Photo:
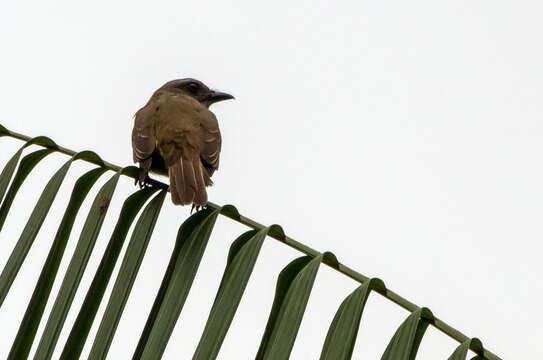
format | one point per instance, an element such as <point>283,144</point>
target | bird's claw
<point>143,180</point>
<point>143,184</point>
<point>197,207</point>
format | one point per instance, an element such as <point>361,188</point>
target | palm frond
<point>293,288</point>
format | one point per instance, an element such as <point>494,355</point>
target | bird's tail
<point>187,182</point>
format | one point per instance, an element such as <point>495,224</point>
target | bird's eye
<point>193,87</point>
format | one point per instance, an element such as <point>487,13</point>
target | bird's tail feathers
<point>187,182</point>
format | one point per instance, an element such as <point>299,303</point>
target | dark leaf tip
<point>426,314</point>
<point>3,131</point>
<point>230,211</point>
<point>476,346</point>
<point>43,141</point>
<point>378,285</point>
<point>276,231</point>
<point>330,259</point>
<point>91,157</point>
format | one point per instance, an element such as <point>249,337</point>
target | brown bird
<point>176,135</point>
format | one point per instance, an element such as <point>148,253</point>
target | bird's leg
<point>197,207</point>
<point>143,179</point>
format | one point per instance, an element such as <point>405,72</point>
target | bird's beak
<point>217,96</point>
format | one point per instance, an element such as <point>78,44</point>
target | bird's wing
<point>211,142</point>
<point>143,134</point>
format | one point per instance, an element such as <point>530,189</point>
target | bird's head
<point>196,89</point>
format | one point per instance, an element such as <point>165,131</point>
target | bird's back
<point>175,133</point>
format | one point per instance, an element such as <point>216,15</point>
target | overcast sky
<point>406,137</point>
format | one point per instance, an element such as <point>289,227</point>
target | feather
<point>187,184</point>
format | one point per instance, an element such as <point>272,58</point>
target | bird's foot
<point>197,207</point>
<point>143,183</point>
<point>143,180</point>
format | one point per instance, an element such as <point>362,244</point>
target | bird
<point>176,135</point>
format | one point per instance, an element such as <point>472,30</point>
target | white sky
<point>406,137</point>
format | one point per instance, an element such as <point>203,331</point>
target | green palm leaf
<point>291,295</point>
<point>341,337</point>
<point>27,164</point>
<point>35,221</point>
<point>191,242</point>
<point>241,260</point>
<point>405,342</point>
<point>461,352</point>
<point>34,311</point>
<point>8,170</point>
<point>294,283</point>
<point>75,270</point>
<point>80,330</point>
<point>126,277</point>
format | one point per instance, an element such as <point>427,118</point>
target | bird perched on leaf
<point>176,135</point>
